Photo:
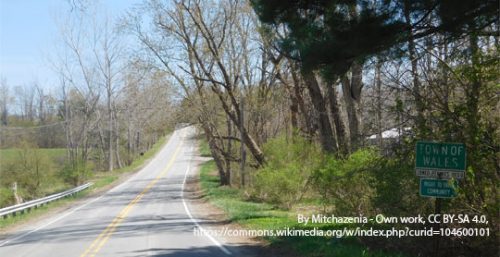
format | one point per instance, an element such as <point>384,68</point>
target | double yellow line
<point>99,242</point>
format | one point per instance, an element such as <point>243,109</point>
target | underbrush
<point>261,215</point>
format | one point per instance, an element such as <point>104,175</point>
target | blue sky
<point>28,32</point>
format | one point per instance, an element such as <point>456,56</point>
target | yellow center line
<point>103,237</point>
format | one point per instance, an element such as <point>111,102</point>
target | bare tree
<point>108,54</point>
<point>203,36</point>
<point>80,91</point>
<point>4,102</point>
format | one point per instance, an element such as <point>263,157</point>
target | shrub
<point>76,173</point>
<point>286,176</point>
<point>6,197</point>
<point>396,187</point>
<point>344,184</point>
<point>29,168</point>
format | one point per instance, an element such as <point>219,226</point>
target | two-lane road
<point>144,216</point>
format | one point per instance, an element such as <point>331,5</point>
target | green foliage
<point>254,215</point>
<point>76,173</point>
<point>204,148</point>
<point>286,176</point>
<point>33,169</point>
<point>54,181</point>
<point>296,167</point>
<point>466,111</point>
<point>6,197</point>
<point>345,183</point>
<point>233,202</point>
<point>329,247</point>
<point>30,168</point>
<point>331,35</point>
<point>396,188</point>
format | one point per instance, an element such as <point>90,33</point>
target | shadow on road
<point>209,251</point>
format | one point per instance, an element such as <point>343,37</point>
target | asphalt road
<point>146,215</point>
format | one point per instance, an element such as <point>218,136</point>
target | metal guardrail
<point>4,212</point>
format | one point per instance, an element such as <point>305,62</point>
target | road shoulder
<point>213,218</point>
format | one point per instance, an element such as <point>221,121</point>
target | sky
<point>28,33</point>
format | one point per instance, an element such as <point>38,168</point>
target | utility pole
<point>242,141</point>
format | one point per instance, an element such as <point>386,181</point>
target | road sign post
<point>435,163</point>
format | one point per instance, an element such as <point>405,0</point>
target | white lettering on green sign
<point>440,156</point>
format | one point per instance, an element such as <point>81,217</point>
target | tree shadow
<point>241,250</point>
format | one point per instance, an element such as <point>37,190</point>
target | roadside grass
<point>104,178</point>
<point>204,148</point>
<point>37,212</point>
<point>100,180</point>
<point>256,215</point>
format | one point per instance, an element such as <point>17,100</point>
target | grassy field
<point>12,153</point>
<point>253,215</point>
<point>100,180</point>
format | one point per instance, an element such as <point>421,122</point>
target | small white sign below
<point>442,174</point>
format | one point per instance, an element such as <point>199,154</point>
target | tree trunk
<point>248,140</point>
<point>473,117</point>
<point>117,146</point>
<point>420,119</point>
<point>218,159</point>
<point>378,86</point>
<point>352,96</point>
<point>129,141</point>
<point>325,129</point>
<point>229,149</point>
<point>294,109</point>
<point>337,119</point>
<point>300,100</point>
<point>110,139</point>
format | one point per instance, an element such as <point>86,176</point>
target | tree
<point>331,35</point>
<point>92,63</point>
<point>4,102</point>
<point>211,47</point>
<point>108,53</point>
<point>337,36</point>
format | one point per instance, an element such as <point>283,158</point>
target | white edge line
<point>224,249</point>
<point>50,222</point>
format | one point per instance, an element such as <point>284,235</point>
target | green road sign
<point>446,160</point>
<point>439,188</point>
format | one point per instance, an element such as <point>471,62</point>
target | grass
<point>100,180</point>
<point>33,213</point>
<point>104,178</point>
<point>255,215</point>
<point>204,149</point>
<point>52,153</point>
<point>50,160</point>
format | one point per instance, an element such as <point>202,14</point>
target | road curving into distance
<point>146,215</point>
